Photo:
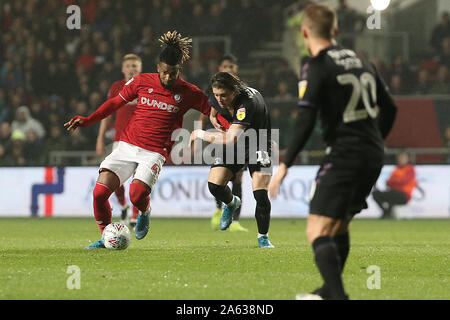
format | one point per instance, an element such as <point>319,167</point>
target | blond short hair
<point>320,20</point>
<point>131,56</point>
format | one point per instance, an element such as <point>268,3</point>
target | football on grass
<point>116,236</point>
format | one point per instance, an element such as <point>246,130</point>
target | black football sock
<point>237,191</point>
<point>328,262</point>
<point>222,193</point>
<point>218,204</point>
<point>262,211</point>
<point>342,242</point>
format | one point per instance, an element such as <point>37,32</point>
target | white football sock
<point>263,235</point>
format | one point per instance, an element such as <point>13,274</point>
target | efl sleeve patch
<point>302,88</point>
<point>240,114</point>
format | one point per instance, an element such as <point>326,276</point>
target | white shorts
<point>127,159</point>
<point>115,145</point>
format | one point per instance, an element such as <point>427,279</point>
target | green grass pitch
<point>184,259</point>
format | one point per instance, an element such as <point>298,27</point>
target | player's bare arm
<point>221,138</point>
<point>212,117</point>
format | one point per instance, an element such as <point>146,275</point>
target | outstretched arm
<point>106,109</point>
<point>224,138</point>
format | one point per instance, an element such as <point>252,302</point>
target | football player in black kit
<point>246,116</point>
<point>356,113</point>
<point>228,63</point>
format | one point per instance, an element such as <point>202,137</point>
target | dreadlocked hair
<point>175,48</point>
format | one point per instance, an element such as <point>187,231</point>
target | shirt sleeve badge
<point>302,88</point>
<point>240,114</point>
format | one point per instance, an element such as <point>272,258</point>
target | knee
<point>214,188</point>
<point>310,235</point>
<point>138,193</point>
<point>313,233</point>
<point>101,192</point>
<point>320,227</point>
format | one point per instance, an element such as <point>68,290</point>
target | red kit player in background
<point>163,99</point>
<point>131,67</point>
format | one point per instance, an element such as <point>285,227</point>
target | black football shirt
<point>348,93</point>
<point>352,102</point>
<point>251,111</point>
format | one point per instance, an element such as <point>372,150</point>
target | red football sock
<point>135,212</point>
<point>120,194</point>
<point>102,209</point>
<point>139,196</point>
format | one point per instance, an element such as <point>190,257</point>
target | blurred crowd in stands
<point>49,73</point>
<point>432,75</point>
<point>429,76</point>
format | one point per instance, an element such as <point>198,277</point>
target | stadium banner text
<point>182,191</point>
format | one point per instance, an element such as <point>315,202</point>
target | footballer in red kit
<point>146,142</point>
<point>159,111</point>
<point>131,66</point>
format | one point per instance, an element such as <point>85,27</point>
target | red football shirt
<point>123,115</point>
<point>159,111</point>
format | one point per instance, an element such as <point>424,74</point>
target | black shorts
<point>236,168</point>
<point>343,183</point>
<point>253,163</point>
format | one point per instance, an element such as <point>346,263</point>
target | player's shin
<point>135,212</point>
<point>329,265</point>
<point>342,242</point>
<point>237,191</point>
<point>140,196</point>
<point>218,204</point>
<point>262,211</point>
<point>102,209</point>
<point>222,193</point>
